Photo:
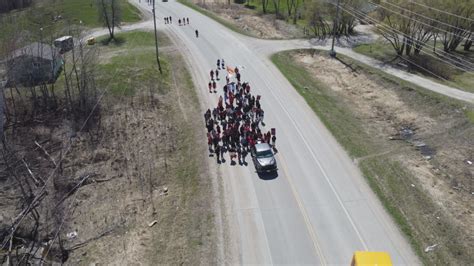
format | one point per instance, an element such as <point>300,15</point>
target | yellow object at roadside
<point>370,258</point>
<point>91,41</point>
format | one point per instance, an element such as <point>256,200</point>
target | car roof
<point>262,147</point>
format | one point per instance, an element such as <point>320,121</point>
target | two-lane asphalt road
<point>319,209</point>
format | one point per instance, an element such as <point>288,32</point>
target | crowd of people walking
<point>236,123</point>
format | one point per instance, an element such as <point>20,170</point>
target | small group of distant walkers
<point>181,22</point>
<point>168,20</point>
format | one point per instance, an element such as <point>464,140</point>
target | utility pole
<point>332,53</point>
<point>156,39</point>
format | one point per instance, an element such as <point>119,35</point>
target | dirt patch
<point>253,23</point>
<point>145,198</point>
<point>430,138</point>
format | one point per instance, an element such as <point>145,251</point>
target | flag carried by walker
<point>230,71</point>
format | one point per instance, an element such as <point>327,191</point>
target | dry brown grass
<point>144,144</point>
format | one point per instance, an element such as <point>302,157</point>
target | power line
<point>391,30</point>
<point>442,11</point>
<point>394,31</point>
<point>421,22</point>
<point>423,16</point>
<point>410,61</point>
<point>447,56</point>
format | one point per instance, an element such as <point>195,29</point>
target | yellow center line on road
<point>307,222</point>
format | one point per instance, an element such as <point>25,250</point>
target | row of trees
<point>8,5</point>
<point>407,25</point>
<point>410,26</point>
<point>320,16</point>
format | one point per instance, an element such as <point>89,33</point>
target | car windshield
<point>264,154</point>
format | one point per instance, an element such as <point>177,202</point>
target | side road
<point>269,47</point>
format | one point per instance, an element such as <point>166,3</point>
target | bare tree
<point>460,29</point>
<point>264,6</point>
<point>276,5</point>
<point>110,14</point>
<point>7,5</point>
<point>317,19</point>
<point>406,30</point>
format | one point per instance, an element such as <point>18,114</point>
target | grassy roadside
<point>409,206</point>
<point>86,11</point>
<point>215,17</point>
<point>385,53</point>
<point>24,26</point>
<point>158,141</point>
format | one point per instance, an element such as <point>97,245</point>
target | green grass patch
<point>470,115</point>
<point>86,11</point>
<point>377,50</point>
<point>135,39</point>
<point>133,64</point>
<point>23,26</point>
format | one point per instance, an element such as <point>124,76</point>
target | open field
<point>86,11</point>
<point>151,195</point>
<point>411,145</point>
<point>20,27</point>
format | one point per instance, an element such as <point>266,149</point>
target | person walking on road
<point>197,33</point>
<point>218,64</point>
<point>209,142</point>
<point>171,20</point>
<point>214,114</point>
<point>179,22</point>
<point>187,21</point>
<point>217,150</point>
<point>212,74</point>
<point>217,74</point>
<point>210,87</point>
<point>214,86</point>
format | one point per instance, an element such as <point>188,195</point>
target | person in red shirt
<point>251,141</point>
<point>219,103</point>
<point>268,137</point>
<point>231,98</point>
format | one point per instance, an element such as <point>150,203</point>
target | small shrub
<point>432,67</point>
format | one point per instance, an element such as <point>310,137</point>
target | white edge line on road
<point>316,160</point>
